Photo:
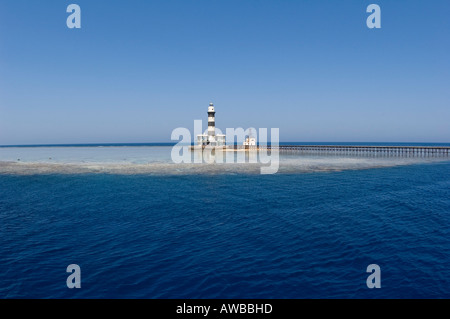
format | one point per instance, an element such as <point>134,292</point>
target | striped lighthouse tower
<point>211,120</point>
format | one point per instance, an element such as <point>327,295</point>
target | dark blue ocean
<point>306,235</point>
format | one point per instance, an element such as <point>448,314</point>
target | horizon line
<point>174,143</point>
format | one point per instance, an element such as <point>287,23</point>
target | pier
<point>357,150</point>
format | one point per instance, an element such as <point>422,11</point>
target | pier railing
<point>402,151</point>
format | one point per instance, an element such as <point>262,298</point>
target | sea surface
<point>140,226</point>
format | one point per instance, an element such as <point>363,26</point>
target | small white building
<point>211,139</point>
<point>250,141</point>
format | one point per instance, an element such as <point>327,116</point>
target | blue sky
<point>138,69</point>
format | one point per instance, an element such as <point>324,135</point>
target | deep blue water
<point>228,236</point>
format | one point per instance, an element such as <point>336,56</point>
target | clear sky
<point>138,69</point>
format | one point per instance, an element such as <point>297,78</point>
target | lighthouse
<point>211,120</point>
<point>210,138</point>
